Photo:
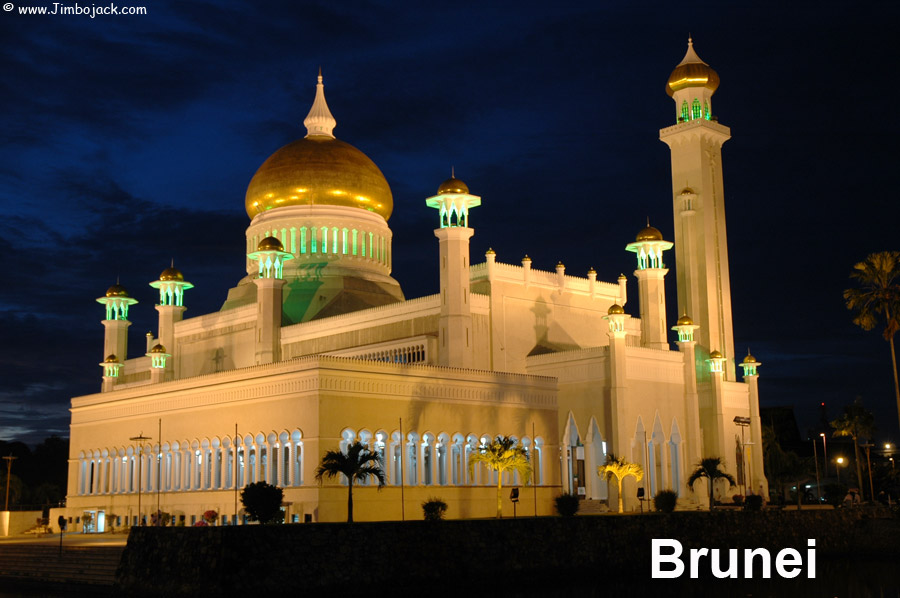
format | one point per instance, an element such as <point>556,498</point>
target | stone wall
<point>460,554</point>
<point>13,523</point>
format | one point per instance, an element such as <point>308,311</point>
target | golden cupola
<point>692,72</point>
<point>319,170</point>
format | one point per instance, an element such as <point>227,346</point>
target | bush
<point>262,502</point>
<point>738,499</point>
<point>665,501</point>
<point>567,504</point>
<point>754,502</point>
<point>434,509</point>
<point>211,516</point>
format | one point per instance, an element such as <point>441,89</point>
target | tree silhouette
<point>357,464</point>
<point>711,469</point>
<point>855,422</point>
<point>262,502</point>
<point>877,300</point>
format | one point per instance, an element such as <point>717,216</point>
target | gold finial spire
<point>319,121</point>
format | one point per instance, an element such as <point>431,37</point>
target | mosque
<point>317,347</point>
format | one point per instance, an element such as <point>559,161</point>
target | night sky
<point>129,141</point>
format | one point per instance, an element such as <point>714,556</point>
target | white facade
<point>317,347</point>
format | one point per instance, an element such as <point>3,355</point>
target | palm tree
<point>502,455</point>
<point>357,464</point>
<point>710,468</point>
<point>877,300</point>
<point>619,468</point>
<point>856,421</point>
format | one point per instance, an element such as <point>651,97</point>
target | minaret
<point>701,252</point>
<point>453,201</point>
<point>714,432</point>
<point>158,363</point>
<point>618,440</point>
<point>751,377</point>
<point>115,341</point>
<point>651,273</point>
<point>270,257</point>
<point>171,286</point>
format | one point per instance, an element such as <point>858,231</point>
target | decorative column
<point>651,272</point>
<point>618,443</point>
<point>115,342</point>
<point>717,447</point>
<point>171,286</point>
<point>751,377</point>
<point>693,450</point>
<point>453,202</point>
<point>270,257</point>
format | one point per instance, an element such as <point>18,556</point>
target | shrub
<point>567,504</point>
<point>262,502</point>
<point>210,516</point>
<point>434,509</point>
<point>738,499</point>
<point>754,502</point>
<point>665,501</point>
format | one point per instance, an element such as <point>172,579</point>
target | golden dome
<point>685,320</point>
<point>111,359</point>
<point>716,355</point>
<point>158,349</point>
<point>453,185</point>
<point>490,251</point>
<point>615,308</point>
<point>749,359</point>
<point>687,191</point>
<point>319,170</point>
<point>171,274</point>
<point>117,290</point>
<point>270,244</point>
<point>649,233</point>
<point>692,72</point>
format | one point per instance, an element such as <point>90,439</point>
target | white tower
<point>270,257</point>
<point>171,286</point>
<point>115,341</point>
<point>701,249</point>
<point>453,201</point>
<point>651,274</point>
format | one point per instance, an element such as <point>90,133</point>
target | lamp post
<point>838,462</point>
<point>139,439</point>
<point>816,458</point>
<point>9,459</point>
<point>868,446</point>
<point>743,422</point>
<point>824,453</point>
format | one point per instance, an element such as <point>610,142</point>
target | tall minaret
<point>455,325</point>
<point>115,341</point>
<point>651,274</point>
<point>171,286</point>
<point>270,257</point>
<point>701,249</point>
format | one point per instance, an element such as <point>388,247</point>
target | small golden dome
<point>158,349</point>
<point>716,355</point>
<point>111,359</point>
<point>692,72</point>
<point>592,271</point>
<point>319,170</point>
<point>453,185</point>
<point>171,274</point>
<point>270,244</point>
<point>526,258</point>
<point>117,290</point>
<point>749,359</point>
<point>490,251</point>
<point>685,320</point>
<point>649,233</point>
<point>688,191</point>
<point>615,309</point>
<point>560,265</point>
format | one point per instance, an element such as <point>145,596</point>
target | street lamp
<point>816,459</point>
<point>9,459</point>
<point>868,446</point>
<point>824,453</point>
<point>743,422</point>
<point>140,439</point>
<point>839,461</point>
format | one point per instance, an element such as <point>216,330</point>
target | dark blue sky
<point>130,140</point>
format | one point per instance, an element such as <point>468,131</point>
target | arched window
<point>705,109</point>
<point>324,239</point>
<point>302,239</point>
<point>685,111</point>
<point>355,240</point>
<point>297,458</point>
<point>412,460</point>
<point>395,468</point>
<point>696,110</point>
<point>428,460</point>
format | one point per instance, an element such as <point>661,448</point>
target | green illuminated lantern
<point>171,286</point>
<point>117,301</point>
<point>270,256</point>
